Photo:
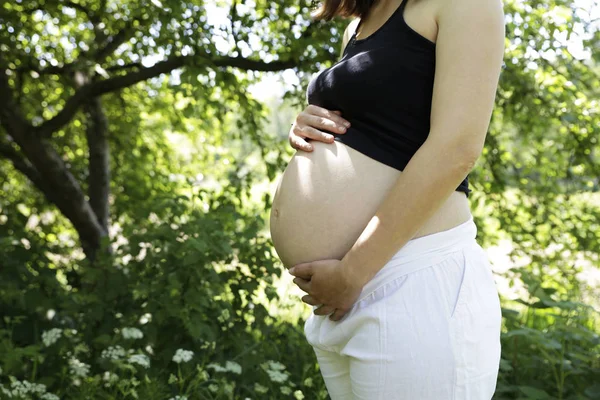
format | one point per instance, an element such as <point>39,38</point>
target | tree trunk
<point>99,161</point>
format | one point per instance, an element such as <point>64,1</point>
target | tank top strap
<point>398,13</point>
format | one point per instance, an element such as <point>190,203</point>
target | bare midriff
<point>325,199</point>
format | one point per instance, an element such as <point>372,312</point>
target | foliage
<point>185,280</point>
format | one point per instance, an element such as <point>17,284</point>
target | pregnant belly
<point>324,200</point>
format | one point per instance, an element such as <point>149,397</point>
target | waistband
<point>423,252</point>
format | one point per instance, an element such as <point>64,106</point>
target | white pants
<point>426,327</point>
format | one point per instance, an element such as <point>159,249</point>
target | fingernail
<point>291,271</point>
<point>328,137</point>
<point>347,124</point>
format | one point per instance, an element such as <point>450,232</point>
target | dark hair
<point>343,8</point>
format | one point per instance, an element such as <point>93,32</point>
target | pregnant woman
<point>373,211</point>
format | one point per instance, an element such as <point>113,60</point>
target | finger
<point>298,143</point>
<point>307,131</point>
<point>337,315</point>
<point>308,299</point>
<point>331,122</point>
<point>335,116</point>
<point>302,284</point>
<point>324,310</point>
<point>303,270</point>
<point>319,118</point>
<point>329,114</point>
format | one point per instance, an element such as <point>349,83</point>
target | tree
<point>64,64</point>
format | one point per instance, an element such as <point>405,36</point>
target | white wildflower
<point>258,388</point>
<point>109,378</point>
<point>308,382</point>
<point>140,359</point>
<point>50,314</point>
<point>50,337</point>
<point>275,371</point>
<point>49,396</point>
<point>275,365</point>
<point>216,367</point>
<point>113,353</point>
<point>24,388</point>
<point>213,388</point>
<point>179,398</point>
<point>132,333</point>
<point>183,355</point>
<point>144,319</point>
<point>78,368</point>
<point>277,376</point>
<point>233,367</point>
<point>285,390</point>
<point>298,395</point>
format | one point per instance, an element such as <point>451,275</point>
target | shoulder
<point>469,11</point>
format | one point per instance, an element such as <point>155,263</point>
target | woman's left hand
<point>327,282</point>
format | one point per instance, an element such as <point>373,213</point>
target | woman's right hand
<point>308,123</point>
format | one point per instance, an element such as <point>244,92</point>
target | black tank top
<point>383,85</point>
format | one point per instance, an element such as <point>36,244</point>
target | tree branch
<point>46,169</point>
<point>20,163</point>
<point>99,161</point>
<point>101,87</point>
<point>63,190</point>
<point>113,42</point>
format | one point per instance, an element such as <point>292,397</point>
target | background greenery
<point>136,174</point>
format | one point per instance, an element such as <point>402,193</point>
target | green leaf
<point>534,393</point>
<point>593,391</point>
